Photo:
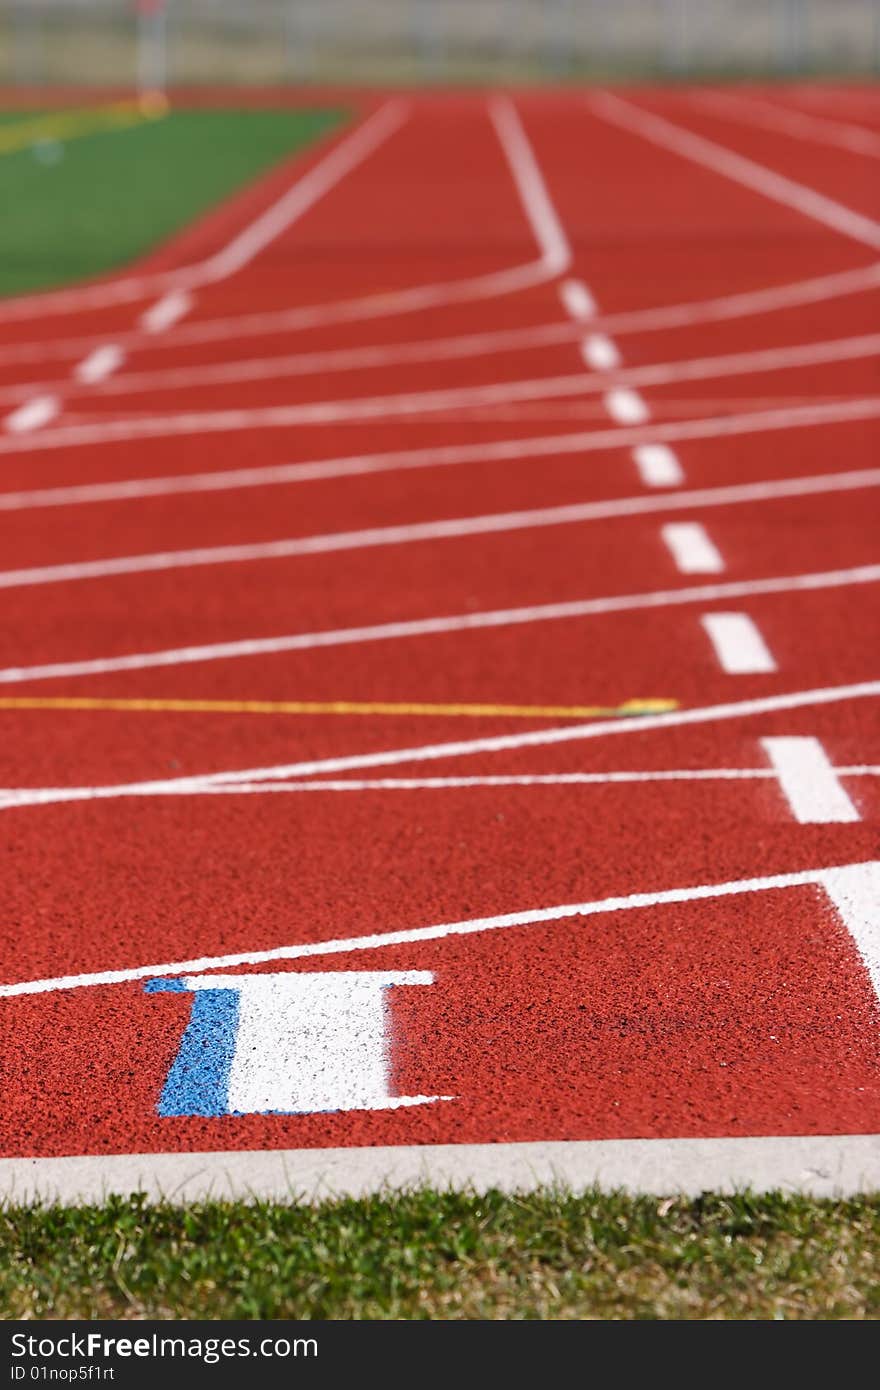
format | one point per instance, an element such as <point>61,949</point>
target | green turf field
<point>434,1255</point>
<point>80,197</point>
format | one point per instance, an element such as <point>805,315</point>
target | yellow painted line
<point>68,125</point>
<point>65,702</point>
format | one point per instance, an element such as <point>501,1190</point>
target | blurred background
<point>152,42</point>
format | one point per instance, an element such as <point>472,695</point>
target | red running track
<point>449,440</point>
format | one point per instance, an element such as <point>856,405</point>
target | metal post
<point>152,47</point>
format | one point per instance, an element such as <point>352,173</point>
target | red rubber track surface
<point>749,1014</point>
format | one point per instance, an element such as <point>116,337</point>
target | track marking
<point>720,160</point>
<point>623,403</point>
<point>691,548</point>
<point>11,797</point>
<point>600,353</point>
<point>478,711</point>
<point>319,363</point>
<point>723,308</point>
<point>294,1043</point>
<point>32,415</point>
<point>557,779</point>
<point>475,345</point>
<point>684,538</point>
<point>429,627</point>
<point>441,456</point>
<point>577,300</point>
<point>809,782</point>
<point>318,181</point>
<point>167,311</point>
<point>657,464</point>
<point>99,365</point>
<point>738,644</point>
<point>627,407</point>
<point>17,798</point>
<point>534,196</point>
<point>854,889</point>
<point>756,112</point>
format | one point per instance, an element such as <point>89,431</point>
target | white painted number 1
<point>290,1044</point>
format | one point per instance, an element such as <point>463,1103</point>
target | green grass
<point>445,1255</point>
<point>97,201</point>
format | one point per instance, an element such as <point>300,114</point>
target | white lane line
<point>738,644</point>
<point>280,216</point>
<point>625,406</point>
<point>754,111</point>
<point>444,455</point>
<point>20,798</point>
<point>658,465</point>
<point>307,190</point>
<point>319,363</point>
<point>9,796</point>
<point>724,162</point>
<point>600,353</point>
<point>32,415</point>
<point>809,782</point>
<point>534,196</point>
<point>99,365</point>
<point>654,374</point>
<point>849,885</point>
<point>603,355</point>
<point>691,548</point>
<point>430,627</point>
<point>167,311</point>
<point>577,300</point>
<point>693,553</point>
<point>816,290</point>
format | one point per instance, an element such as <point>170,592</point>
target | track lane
<point>748,1015</point>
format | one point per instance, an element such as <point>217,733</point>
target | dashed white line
<point>738,643</point>
<point>32,415</point>
<point>166,311</point>
<point>625,406</point>
<point>577,300</point>
<point>809,782</point>
<point>600,353</point>
<point>658,465</point>
<point>691,548</point>
<point>100,364</point>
